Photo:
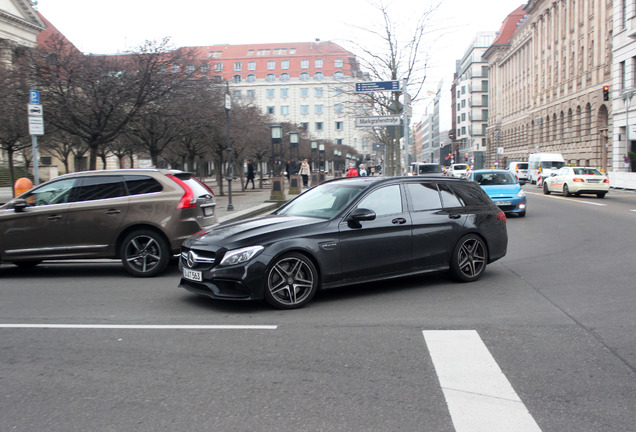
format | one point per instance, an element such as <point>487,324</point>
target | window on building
<point>174,68</point>
<point>238,66</point>
<point>463,103</point>
<point>271,64</point>
<point>284,92</point>
<point>463,89</point>
<point>251,65</point>
<point>304,76</point>
<point>463,117</point>
<point>284,64</point>
<point>338,91</point>
<point>339,126</point>
<point>318,63</point>
<point>338,75</point>
<point>318,91</point>
<point>304,64</point>
<point>304,109</point>
<point>236,78</point>
<point>251,78</point>
<point>269,93</point>
<point>270,77</point>
<point>304,92</point>
<point>318,109</point>
<point>251,94</point>
<point>319,76</point>
<point>218,67</point>
<point>339,141</point>
<point>304,125</point>
<point>319,126</point>
<point>284,109</point>
<point>271,110</point>
<point>205,68</point>
<point>236,94</point>
<point>338,63</point>
<point>338,108</point>
<point>284,76</point>
<point>190,69</point>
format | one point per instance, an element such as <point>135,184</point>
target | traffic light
<point>605,93</point>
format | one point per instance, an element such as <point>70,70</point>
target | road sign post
<point>36,127</point>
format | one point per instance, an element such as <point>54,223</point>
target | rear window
<point>471,195</point>
<point>141,184</point>
<point>522,165</point>
<point>99,187</point>
<point>424,196</point>
<point>197,187</point>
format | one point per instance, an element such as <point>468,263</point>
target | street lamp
<point>321,157</point>
<point>314,149</point>
<point>277,139</point>
<point>627,95</point>
<point>228,107</point>
<point>293,146</point>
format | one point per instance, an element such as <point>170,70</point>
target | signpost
<point>377,121</point>
<point>36,127</point>
<point>373,86</point>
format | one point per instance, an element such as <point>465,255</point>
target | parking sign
<point>34,97</point>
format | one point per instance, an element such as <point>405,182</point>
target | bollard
<point>22,185</point>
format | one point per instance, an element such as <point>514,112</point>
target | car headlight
<point>240,256</point>
<point>521,193</point>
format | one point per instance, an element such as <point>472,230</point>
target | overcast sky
<point>111,26</point>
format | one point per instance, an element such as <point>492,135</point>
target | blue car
<point>503,188</point>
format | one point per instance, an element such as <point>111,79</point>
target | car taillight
<point>501,216</point>
<point>578,180</point>
<point>188,200</point>
<point>606,180</point>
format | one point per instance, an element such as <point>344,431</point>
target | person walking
<point>353,172</point>
<point>304,172</point>
<point>250,174</point>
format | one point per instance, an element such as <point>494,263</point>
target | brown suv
<point>138,215</point>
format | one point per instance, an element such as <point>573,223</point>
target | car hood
<point>253,231</point>
<point>499,191</point>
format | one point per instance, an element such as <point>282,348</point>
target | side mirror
<point>19,205</point>
<point>359,215</point>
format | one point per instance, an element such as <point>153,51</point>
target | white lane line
<point>478,394</point>
<point>142,326</point>
<point>568,199</point>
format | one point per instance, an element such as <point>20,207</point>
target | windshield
<point>323,201</point>
<point>495,178</point>
<point>552,165</point>
<point>430,169</point>
<point>587,171</point>
<point>460,167</point>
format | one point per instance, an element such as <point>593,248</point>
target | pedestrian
<point>372,171</point>
<point>250,174</point>
<point>363,170</point>
<point>288,168</point>
<point>304,172</point>
<point>353,172</point>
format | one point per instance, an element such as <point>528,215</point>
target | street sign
<point>35,110</point>
<point>372,86</point>
<point>377,121</point>
<point>34,96</point>
<point>36,125</point>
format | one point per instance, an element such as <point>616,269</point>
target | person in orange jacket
<point>353,172</point>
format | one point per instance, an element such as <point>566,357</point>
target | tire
<point>144,253</point>
<point>601,194</point>
<point>469,258</point>
<point>546,190</point>
<point>566,190</point>
<point>292,281</point>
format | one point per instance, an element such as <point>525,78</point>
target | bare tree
<point>393,51</point>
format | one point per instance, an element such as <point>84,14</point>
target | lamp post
<point>293,146</point>
<point>294,178</point>
<point>627,95</point>
<point>277,181</point>
<point>228,107</point>
<point>314,149</point>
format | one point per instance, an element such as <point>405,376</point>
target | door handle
<point>113,211</point>
<point>54,218</point>
<point>454,216</point>
<point>398,221</point>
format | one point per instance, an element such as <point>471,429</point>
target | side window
<point>424,196</point>
<point>383,201</point>
<point>470,195</point>
<point>52,193</point>
<point>99,187</point>
<point>138,184</point>
<point>449,199</point>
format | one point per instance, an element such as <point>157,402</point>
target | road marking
<point>478,394</point>
<point>142,326</point>
<point>568,199</point>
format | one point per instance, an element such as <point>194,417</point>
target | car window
<point>99,187</point>
<point>522,166</point>
<point>470,195</point>
<point>383,201</point>
<point>586,171</point>
<point>424,196</point>
<point>141,184</point>
<point>427,169</point>
<point>323,201</point>
<point>55,192</point>
<point>449,199</point>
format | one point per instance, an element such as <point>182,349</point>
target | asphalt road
<point>84,347</point>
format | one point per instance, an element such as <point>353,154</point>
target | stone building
<point>548,67</point>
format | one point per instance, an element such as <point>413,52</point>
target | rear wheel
<point>292,281</point>
<point>566,190</point>
<point>545,189</point>
<point>144,253</point>
<point>601,194</point>
<point>469,258</point>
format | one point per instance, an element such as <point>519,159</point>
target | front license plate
<point>193,275</point>
<point>503,203</point>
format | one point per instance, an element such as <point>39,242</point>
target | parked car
<point>519,169</point>
<point>458,170</point>
<point>140,216</point>
<point>503,188</point>
<point>420,168</point>
<point>576,181</point>
<point>348,231</point>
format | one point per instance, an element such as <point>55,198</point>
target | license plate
<point>193,275</point>
<point>503,203</point>
<point>208,211</point>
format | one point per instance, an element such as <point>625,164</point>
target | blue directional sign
<point>373,86</point>
<point>34,96</point>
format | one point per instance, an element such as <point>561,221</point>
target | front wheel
<point>546,190</point>
<point>292,281</point>
<point>566,190</point>
<point>469,258</point>
<point>144,253</point>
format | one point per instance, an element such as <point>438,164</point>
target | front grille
<point>192,259</point>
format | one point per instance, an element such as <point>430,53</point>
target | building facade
<point>471,99</point>
<point>311,84</point>
<point>548,67</point>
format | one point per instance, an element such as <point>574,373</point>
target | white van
<point>520,169</point>
<point>543,164</point>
